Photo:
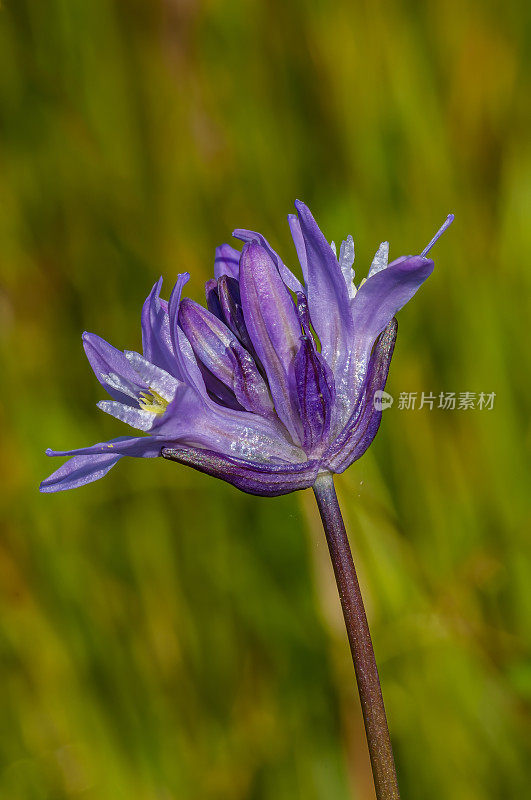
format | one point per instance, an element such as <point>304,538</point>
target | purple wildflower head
<point>273,382</point>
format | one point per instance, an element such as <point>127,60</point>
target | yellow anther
<point>152,401</point>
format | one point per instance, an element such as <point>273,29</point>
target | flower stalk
<point>370,692</point>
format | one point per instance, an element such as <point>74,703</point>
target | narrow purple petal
<point>266,480</point>
<point>231,304</point>
<point>248,385</point>
<point>156,339</point>
<point>327,293</point>
<point>91,463</point>
<point>212,298</point>
<point>381,296</point>
<point>217,349</point>
<point>227,261</point>
<point>136,446</point>
<point>298,241</point>
<point>112,369</point>
<point>361,429</point>
<point>210,339</point>
<point>313,387</point>
<point>79,471</point>
<point>286,274</point>
<point>272,322</point>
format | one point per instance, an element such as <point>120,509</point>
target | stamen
<point>152,401</point>
<point>446,224</point>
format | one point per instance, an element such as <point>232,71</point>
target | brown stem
<point>381,753</point>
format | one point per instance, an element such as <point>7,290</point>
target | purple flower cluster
<point>273,382</point>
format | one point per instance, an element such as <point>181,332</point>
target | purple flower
<point>273,382</point>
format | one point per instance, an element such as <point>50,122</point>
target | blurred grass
<point>164,636</point>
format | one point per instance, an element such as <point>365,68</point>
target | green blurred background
<point>162,635</point>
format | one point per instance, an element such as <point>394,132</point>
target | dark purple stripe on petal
<point>267,480</point>
<point>313,386</point>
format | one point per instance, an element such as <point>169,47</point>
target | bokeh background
<point>163,636</point>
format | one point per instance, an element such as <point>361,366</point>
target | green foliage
<point>164,636</point>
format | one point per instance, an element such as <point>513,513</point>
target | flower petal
<point>252,477</point>
<point>112,369</point>
<point>313,387</point>
<point>136,446</point>
<point>361,429</point>
<point>155,377</point>
<point>381,296</point>
<point>346,261</point>
<point>156,339</point>
<point>212,298</point>
<point>231,304</point>
<point>298,241</point>
<point>286,274</point>
<point>380,260</point>
<point>79,471</point>
<point>249,387</point>
<point>135,417</point>
<point>227,261</point>
<point>272,322</point>
<point>327,293</point>
<point>216,347</point>
<point>91,463</point>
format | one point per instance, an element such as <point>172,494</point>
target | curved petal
<point>266,480</point>
<point>328,299</point>
<point>286,274</point>
<point>78,471</point>
<point>232,311</point>
<point>381,296</point>
<point>364,423</point>
<point>112,369</point>
<point>91,463</point>
<point>135,446</point>
<point>135,417</point>
<point>155,377</point>
<point>156,339</point>
<point>314,391</point>
<point>273,326</point>
<point>227,261</point>
<point>298,241</point>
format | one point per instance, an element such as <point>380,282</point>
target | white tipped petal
<point>380,260</point>
<point>155,377</point>
<point>346,260</point>
<point>142,420</point>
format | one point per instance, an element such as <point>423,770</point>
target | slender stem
<point>381,753</point>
